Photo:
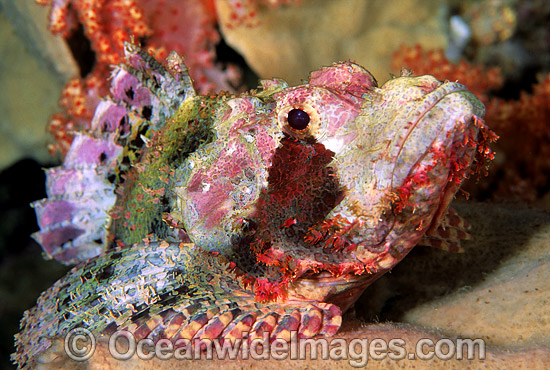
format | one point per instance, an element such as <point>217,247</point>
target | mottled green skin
<point>157,290</point>
<point>146,191</point>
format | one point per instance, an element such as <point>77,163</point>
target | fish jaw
<point>343,291</point>
<point>417,139</point>
<point>422,138</point>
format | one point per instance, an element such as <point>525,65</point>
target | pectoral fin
<point>447,236</point>
<point>162,290</point>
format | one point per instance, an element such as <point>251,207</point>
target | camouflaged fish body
<point>269,211</point>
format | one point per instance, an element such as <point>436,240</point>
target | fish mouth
<point>434,97</point>
<point>413,157</point>
<point>436,149</point>
<point>417,161</point>
<point>341,290</point>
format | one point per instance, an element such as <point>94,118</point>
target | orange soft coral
<point>522,124</point>
<point>79,100</point>
<point>479,80</point>
<point>186,26</point>
<point>106,23</point>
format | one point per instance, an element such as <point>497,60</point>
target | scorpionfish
<point>193,216</point>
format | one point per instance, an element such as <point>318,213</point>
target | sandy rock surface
<point>498,290</point>
<point>363,356</point>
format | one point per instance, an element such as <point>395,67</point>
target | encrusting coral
<point>523,160</point>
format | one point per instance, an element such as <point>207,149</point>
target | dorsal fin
<point>172,84</point>
<point>179,69</point>
<point>447,236</point>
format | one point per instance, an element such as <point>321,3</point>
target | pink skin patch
<point>58,236</point>
<point>88,150</point>
<point>344,78</point>
<point>54,212</point>
<point>109,117</point>
<point>126,88</point>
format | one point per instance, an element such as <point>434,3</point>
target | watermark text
<point>80,345</point>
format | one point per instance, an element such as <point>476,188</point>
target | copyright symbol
<point>79,344</point>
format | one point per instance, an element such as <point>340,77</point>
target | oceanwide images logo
<point>80,345</point>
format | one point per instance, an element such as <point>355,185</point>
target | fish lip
<point>440,92</point>
<point>342,290</point>
<point>399,142</point>
<point>429,101</point>
<point>326,278</point>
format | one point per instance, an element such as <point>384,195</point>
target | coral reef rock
<point>288,41</point>
<point>35,65</point>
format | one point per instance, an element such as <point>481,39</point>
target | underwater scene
<point>185,176</point>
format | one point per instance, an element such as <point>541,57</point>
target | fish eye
<point>298,119</point>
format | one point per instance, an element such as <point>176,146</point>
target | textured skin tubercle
<point>201,217</point>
